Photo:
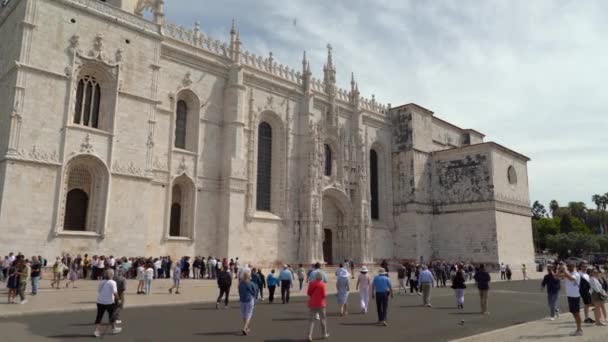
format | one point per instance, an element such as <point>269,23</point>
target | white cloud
<point>528,74</point>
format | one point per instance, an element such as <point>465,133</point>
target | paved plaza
<point>512,303</point>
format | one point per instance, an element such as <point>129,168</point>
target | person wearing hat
<point>342,288</point>
<point>381,289</point>
<point>363,283</point>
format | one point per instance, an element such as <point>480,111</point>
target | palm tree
<point>553,205</point>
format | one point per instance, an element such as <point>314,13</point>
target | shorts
<point>176,281</point>
<point>586,298</point>
<point>574,305</point>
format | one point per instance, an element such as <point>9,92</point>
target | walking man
<point>36,270</point>
<point>503,271</point>
<point>271,281</point>
<point>381,289</point>
<point>552,283</point>
<point>224,282</point>
<point>585,291</point>
<point>286,278</point>
<point>482,278</point>
<point>572,282</point>
<point>426,281</point>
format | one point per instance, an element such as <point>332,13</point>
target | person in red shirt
<point>316,303</point>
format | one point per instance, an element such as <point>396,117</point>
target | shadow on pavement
<point>66,336</point>
<point>220,333</point>
<point>542,337</point>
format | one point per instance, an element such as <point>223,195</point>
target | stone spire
<point>329,72</point>
<point>354,91</point>
<point>235,43</point>
<point>306,74</point>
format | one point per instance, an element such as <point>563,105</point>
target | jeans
<point>35,282</point>
<point>285,288</point>
<point>147,286</point>
<point>223,291</point>
<point>552,300</point>
<point>382,305</point>
<point>301,281</point>
<point>115,316</point>
<point>271,293</point>
<point>322,317</point>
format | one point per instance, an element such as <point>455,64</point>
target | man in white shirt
<point>213,268</point>
<point>572,280</point>
<point>503,271</point>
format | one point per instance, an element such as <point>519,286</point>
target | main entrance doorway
<point>327,246</point>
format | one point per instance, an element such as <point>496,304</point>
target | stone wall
<point>462,178</point>
<point>515,244</point>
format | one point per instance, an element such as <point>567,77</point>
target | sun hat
<point>382,271</point>
<point>364,269</point>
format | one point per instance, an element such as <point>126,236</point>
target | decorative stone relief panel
<point>467,179</point>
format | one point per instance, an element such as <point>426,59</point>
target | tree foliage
<point>538,211</point>
<point>572,244</point>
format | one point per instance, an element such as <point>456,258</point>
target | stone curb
<point>493,332</point>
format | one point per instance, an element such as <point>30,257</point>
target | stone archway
<point>338,237</point>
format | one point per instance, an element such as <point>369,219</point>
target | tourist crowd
<point>588,284</point>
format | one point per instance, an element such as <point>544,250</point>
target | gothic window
<point>181,118</point>
<point>327,160</point>
<point>176,212</point>
<point>264,178</point>
<point>88,100</point>
<point>76,206</point>
<point>373,175</point>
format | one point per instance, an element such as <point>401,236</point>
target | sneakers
<point>557,313</point>
<point>385,323</point>
<point>326,336</point>
<point>23,301</point>
<point>96,333</point>
<point>577,333</point>
<point>118,321</point>
<point>552,318</point>
<point>217,305</point>
<point>116,330</point>
<point>226,307</point>
<point>176,292</point>
<point>589,320</point>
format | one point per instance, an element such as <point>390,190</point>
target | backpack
<point>584,286</point>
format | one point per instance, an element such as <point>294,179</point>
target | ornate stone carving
<point>187,81</point>
<point>128,169</point>
<point>87,146</point>
<point>38,155</point>
<point>182,166</point>
<point>160,164</point>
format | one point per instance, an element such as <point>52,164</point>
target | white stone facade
<point>124,136</point>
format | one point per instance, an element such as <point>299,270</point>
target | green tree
<point>542,229</point>
<point>572,244</point>
<point>538,211</point>
<point>603,243</point>
<point>579,227</point>
<point>553,206</point>
<point>565,225</point>
<point>578,210</point>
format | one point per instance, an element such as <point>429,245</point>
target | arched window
<point>264,167</point>
<point>373,184</point>
<point>176,211</point>
<point>181,120</point>
<point>76,206</point>
<point>88,99</point>
<point>327,160</point>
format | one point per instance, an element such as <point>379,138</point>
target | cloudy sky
<point>529,74</point>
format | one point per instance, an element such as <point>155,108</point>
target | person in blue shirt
<point>286,278</point>
<point>381,289</point>
<point>248,292</point>
<point>426,281</point>
<point>271,282</point>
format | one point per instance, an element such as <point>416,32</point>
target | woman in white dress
<point>363,284</point>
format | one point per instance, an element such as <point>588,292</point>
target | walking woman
<point>271,281</point>
<point>248,291</point>
<point>459,286</point>
<point>58,267</point>
<point>598,297</point>
<point>107,295</point>
<point>140,277</point>
<point>342,288</point>
<point>316,304</point>
<point>363,283</point>
<point>553,285</point>
<point>13,282</point>
<point>148,276</point>
<point>72,275</point>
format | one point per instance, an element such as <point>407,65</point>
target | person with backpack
<point>585,291</point>
<point>572,283</point>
